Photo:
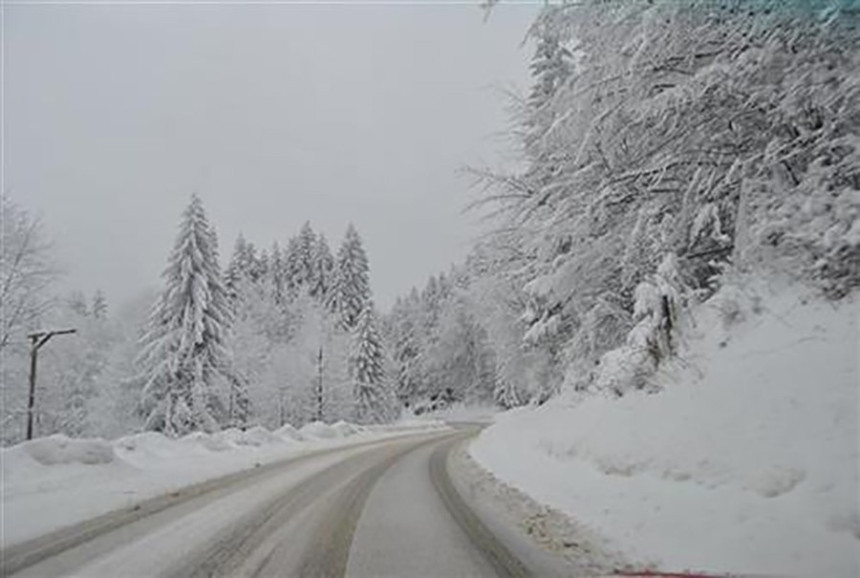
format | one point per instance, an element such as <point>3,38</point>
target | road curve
<point>378,509</point>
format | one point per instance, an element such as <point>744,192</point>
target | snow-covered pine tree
<point>241,266</point>
<point>352,283</point>
<point>323,265</point>
<point>306,249</point>
<point>292,268</point>
<point>260,267</point>
<point>406,349</point>
<point>276,274</point>
<point>372,402</point>
<point>183,350</point>
<point>239,402</point>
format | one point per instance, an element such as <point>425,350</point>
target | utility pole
<point>37,340</point>
<point>320,384</point>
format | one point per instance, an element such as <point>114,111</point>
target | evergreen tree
<point>406,348</point>
<point>352,284</point>
<point>371,399</point>
<point>239,403</point>
<point>184,350</point>
<point>305,258</point>
<point>277,274</point>
<point>260,267</point>
<point>241,266</point>
<point>323,265</point>
<point>292,268</point>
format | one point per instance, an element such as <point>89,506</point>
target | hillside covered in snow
<point>742,456</point>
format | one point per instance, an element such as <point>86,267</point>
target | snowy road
<point>381,509</point>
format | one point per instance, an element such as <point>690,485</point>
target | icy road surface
<point>380,509</point>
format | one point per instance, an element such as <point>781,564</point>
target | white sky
<point>274,114</point>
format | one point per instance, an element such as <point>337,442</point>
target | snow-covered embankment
<point>746,461</point>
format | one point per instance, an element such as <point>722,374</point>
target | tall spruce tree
<point>241,266</point>
<point>352,282</point>
<point>323,264</point>
<point>369,391</point>
<point>292,268</point>
<point>183,351</point>
<point>277,273</point>
<point>305,258</point>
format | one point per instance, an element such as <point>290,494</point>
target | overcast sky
<point>274,114</point>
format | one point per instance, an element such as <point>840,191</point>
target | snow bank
<point>747,461</point>
<point>259,436</point>
<point>319,430</point>
<point>25,463</point>
<point>288,432</point>
<point>344,429</point>
<point>408,425</point>
<point>152,443</point>
<point>59,449</point>
<point>57,481</point>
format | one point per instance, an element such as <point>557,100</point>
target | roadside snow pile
<point>57,481</point>
<point>407,425</point>
<point>152,443</point>
<point>259,436</point>
<point>288,432</point>
<point>59,449</point>
<point>209,443</point>
<point>344,429</point>
<point>747,461</point>
<point>25,463</point>
<point>319,430</point>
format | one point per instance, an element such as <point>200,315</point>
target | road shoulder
<point>547,541</point>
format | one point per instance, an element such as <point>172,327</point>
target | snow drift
<point>746,460</point>
<point>59,449</point>
<point>319,430</point>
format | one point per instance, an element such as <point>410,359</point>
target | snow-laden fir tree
<point>406,347</point>
<point>277,274</point>
<point>241,266</point>
<point>306,249</point>
<point>292,267</point>
<point>369,389</point>
<point>260,268</point>
<point>323,264</point>
<point>352,281</point>
<point>183,350</point>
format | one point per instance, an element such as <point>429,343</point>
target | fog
<point>273,114</point>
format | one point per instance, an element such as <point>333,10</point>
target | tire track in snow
<point>497,554</point>
<point>324,509</point>
<point>21,556</point>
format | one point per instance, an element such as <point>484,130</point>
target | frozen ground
<point>747,461</point>
<point>53,482</point>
